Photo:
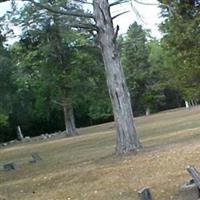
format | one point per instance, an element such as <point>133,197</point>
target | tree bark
<point>70,127</point>
<point>127,139</point>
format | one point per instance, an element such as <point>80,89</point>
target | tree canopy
<point>181,41</point>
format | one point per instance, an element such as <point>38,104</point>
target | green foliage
<point>54,65</point>
<point>146,67</point>
<point>181,36</point>
<point>6,89</point>
<point>3,119</point>
<point>143,62</point>
<point>135,60</point>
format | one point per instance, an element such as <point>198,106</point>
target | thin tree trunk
<point>192,103</point>
<point>69,121</point>
<point>127,139</point>
<point>196,101</point>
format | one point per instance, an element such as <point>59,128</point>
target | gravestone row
<point>12,165</point>
<point>28,138</point>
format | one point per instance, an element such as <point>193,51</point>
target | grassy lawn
<point>86,168</point>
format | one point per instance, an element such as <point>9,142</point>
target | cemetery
<point>79,167</point>
<point>99,100</point>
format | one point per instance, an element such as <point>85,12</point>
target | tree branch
<point>147,4</point>
<point>58,103</point>
<point>116,34</point>
<point>75,14</point>
<point>137,13</point>
<point>82,25</point>
<point>82,1</point>
<point>119,2</point>
<point>119,14</point>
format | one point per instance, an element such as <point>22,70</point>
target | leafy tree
<point>6,89</point>
<point>127,139</point>
<point>64,63</point>
<point>181,34</point>
<point>135,57</point>
<point>146,65</point>
<point>166,95</point>
<point>51,41</point>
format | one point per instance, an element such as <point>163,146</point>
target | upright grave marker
<point>19,134</point>
<point>36,157</point>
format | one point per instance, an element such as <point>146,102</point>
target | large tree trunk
<point>127,139</point>
<point>69,121</point>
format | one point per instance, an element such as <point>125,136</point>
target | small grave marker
<point>190,190</point>
<point>4,144</point>
<point>19,133</point>
<point>36,157</point>
<point>145,194</point>
<point>194,173</point>
<point>10,166</point>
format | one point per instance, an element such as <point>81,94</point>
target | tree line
<point>53,78</point>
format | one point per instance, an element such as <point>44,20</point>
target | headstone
<point>48,135</point>
<point>12,142</point>
<point>36,157</point>
<point>187,105</point>
<point>194,174</point>
<point>44,137</point>
<point>54,134</point>
<point>27,139</point>
<point>10,166</point>
<point>4,144</point>
<point>19,133</point>
<point>145,194</point>
<point>189,191</point>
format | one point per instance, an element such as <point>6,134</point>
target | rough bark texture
<point>69,121</point>
<point>127,139</point>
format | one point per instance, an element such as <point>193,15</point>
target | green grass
<point>86,167</point>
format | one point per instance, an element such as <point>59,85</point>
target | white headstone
<point>187,104</point>
<point>19,133</point>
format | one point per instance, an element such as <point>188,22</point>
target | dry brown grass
<point>86,168</point>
